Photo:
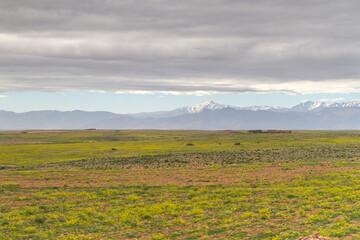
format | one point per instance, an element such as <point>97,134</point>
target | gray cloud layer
<point>193,46</point>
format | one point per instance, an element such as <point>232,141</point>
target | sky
<point>149,55</point>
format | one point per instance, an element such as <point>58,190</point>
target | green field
<point>179,184</point>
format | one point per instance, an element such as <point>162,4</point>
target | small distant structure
<point>90,129</point>
<point>270,131</point>
<point>24,132</point>
<point>255,131</point>
<point>279,131</point>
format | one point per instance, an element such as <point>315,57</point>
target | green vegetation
<point>153,185</point>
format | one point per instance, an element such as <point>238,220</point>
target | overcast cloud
<point>180,47</point>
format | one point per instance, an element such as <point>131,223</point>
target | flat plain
<point>148,184</point>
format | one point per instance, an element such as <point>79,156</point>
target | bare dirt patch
<point>181,177</point>
<point>314,236</point>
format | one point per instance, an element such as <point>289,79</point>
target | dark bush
<point>40,220</point>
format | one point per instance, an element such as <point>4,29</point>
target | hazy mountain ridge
<point>210,105</point>
<point>319,105</point>
<point>207,115</point>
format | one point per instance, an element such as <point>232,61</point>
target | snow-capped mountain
<point>346,104</point>
<point>264,108</point>
<point>210,105</point>
<point>310,106</point>
<point>215,106</point>
<point>207,115</point>
<point>198,108</point>
<point>320,105</point>
<point>205,105</point>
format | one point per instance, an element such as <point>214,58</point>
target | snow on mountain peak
<point>355,103</point>
<point>310,106</point>
<point>319,105</point>
<point>210,105</point>
<point>302,107</point>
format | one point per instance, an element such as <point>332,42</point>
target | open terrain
<point>145,184</point>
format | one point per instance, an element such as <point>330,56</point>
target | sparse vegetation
<point>281,186</point>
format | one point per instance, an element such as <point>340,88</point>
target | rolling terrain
<point>147,184</point>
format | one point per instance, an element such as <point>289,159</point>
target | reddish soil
<point>182,177</point>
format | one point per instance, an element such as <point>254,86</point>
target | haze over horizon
<point>212,105</point>
<point>142,56</point>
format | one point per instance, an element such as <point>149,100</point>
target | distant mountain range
<point>207,115</point>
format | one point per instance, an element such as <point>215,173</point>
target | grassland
<point>156,185</point>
